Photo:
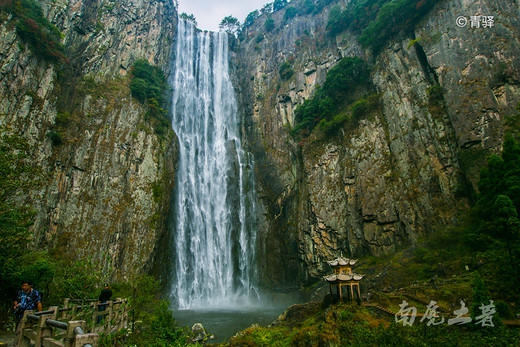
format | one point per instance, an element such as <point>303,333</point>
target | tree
<point>494,223</point>
<point>279,4</point>
<point>480,296</point>
<point>268,8</point>
<point>251,17</point>
<point>188,18</point>
<point>290,12</point>
<point>18,175</point>
<point>230,24</point>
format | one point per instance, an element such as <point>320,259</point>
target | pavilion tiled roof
<point>341,261</point>
<point>342,277</point>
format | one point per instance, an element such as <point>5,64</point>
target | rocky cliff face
<point>402,171</point>
<point>108,173</point>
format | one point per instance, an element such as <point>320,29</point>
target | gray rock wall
<point>401,172</point>
<point>108,184</point>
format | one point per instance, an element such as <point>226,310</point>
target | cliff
<point>434,107</point>
<point>108,173</point>
<point>403,169</point>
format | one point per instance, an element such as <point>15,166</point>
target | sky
<point>209,13</point>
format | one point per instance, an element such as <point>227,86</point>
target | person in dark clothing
<point>105,295</point>
<point>26,299</point>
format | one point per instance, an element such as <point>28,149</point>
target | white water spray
<point>214,201</point>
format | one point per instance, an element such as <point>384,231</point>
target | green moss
<point>344,324</point>
<point>157,191</point>
<point>63,118</point>
<point>413,42</point>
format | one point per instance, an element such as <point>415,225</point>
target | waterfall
<point>214,202</point>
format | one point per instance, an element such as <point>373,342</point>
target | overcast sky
<point>209,13</point>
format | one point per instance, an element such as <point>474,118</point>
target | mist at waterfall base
<point>224,323</point>
<point>214,274</point>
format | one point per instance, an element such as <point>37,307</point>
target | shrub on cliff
<point>279,4</point>
<point>34,29</point>
<point>148,85</point>
<point>338,91</point>
<point>269,24</point>
<point>286,71</point>
<point>378,20</point>
<point>148,81</point>
<point>393,17</point>
<point>290,12</point>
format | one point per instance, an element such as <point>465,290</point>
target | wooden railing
<point>62,327</point>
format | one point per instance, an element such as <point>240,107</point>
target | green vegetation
<point>269,24</point>
<point>436,104</point>
<point>148,81</point>
<point>230,25</point>
<point>493,227</point>
<point>351,115</point>
<point>300,8</point>
<point>34,29</point>
<point>378,20</point>
<point>286,71</point>
<point>18,175</point>
<point>148,85</point>
<point>279,4</point>
<point>251,17</point>
<point>150,319</point>
<point>340,89</point>
<point>344,325</point>
<point>157,191</point>
<point>290,12</point>
<point>189,18</point>
<point>55,136</point>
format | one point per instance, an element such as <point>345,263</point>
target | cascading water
<point>214,198</point>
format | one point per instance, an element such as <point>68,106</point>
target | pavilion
<point>343,282</point>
